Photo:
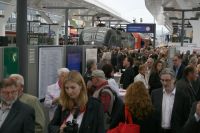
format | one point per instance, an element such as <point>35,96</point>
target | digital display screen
<point>74,61</point>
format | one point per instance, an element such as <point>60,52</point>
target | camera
<point>71,127</point>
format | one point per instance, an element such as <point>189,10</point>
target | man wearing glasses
<point>15,117</point>
<point>171,105</point>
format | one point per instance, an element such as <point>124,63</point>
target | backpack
<point>114,113</point>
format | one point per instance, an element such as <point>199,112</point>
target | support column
<point>21,36</point>
<point>182,28</point>
<point>66,26</point>
<point>2,28</point>
<point>196,32</point>
<point>56,38</point>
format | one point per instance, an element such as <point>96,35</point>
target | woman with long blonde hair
<point>75,110</point>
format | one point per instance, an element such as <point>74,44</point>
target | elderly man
<point>53,92</point>
<point>172,106</point>
<point>31,101</point>
<point>15,116</point>
<point>113,105</point>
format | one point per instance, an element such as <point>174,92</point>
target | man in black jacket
<point>185,84</point>
<point>128,75</point>
<point>193,123</point>
<point>15,116</point>
<point>171,105</point>
<point>178,66</point>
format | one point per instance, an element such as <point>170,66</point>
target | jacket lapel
<point>160,99</point>
<point>11,115</point>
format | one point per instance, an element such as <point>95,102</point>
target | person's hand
<point>198,109</point>
<point>62,128</point>
<point>55,100</point>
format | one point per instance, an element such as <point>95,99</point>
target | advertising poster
<point>10,61</point>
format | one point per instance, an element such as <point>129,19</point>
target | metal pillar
<point>154,36</point>
<point>92,21</point>
<point>182,28</point>
<point>21,36</point>
<point>66,26</point>
<point>109,23</point>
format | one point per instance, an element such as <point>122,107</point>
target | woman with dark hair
<point>154,79</point>
<point>109,74</point>
<point>139,104</point>
<point>75,111</point>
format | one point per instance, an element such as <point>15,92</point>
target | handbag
<point>127,127</point>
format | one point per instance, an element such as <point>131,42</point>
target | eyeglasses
<point>165,80</point>
<point>6,92</point>
<point>174,60</point>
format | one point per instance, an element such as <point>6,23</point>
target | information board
<point>50,60</point>
<point>10,61</point>
<point>141,28</point>
<point>91,54</point>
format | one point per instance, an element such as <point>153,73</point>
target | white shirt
<point>142,78</point>
<point>3,113</point>
<point>113,85</point>
<point>78,120</point>
<point>167,107</point>
<point>197,117</point>
<point>53,91</point>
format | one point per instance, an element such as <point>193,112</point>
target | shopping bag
<point>127,127</point>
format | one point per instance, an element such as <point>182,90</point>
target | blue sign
<point>141,28</point>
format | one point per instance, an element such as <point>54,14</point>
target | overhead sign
<point>141,28</point>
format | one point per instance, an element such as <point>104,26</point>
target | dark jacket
<point>184,85</point>
<point>92,121</point>
<point>117,114</point>
<point>87,76</point>
<point>154,81</point>
<point>127,77</point>
<point>192,126</point>
<point>180,111</point>
<point>147,125</point>
<point>21,119</point>
<point>180,71</point>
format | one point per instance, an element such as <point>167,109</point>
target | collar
<point>172,93</point>
<point>57,85</point>
<point>178,67</point>
<point>103,84</point>
<point>5,107</point>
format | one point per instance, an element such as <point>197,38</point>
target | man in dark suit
<point>171,105</point>
<point>185,83</point>
<point>193,123</point>
<point>178,67</point>
<point>15,117</point>
<point>128,75</point>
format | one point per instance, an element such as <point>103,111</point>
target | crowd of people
<point>161,97</point>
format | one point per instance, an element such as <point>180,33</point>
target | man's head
<point>127,62</point>
<point>8,91</point>
<point>167,78</point>
<point>177,60</point>
<point>19,81</point>
<point>190,73</point>
<point>98,77</point>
